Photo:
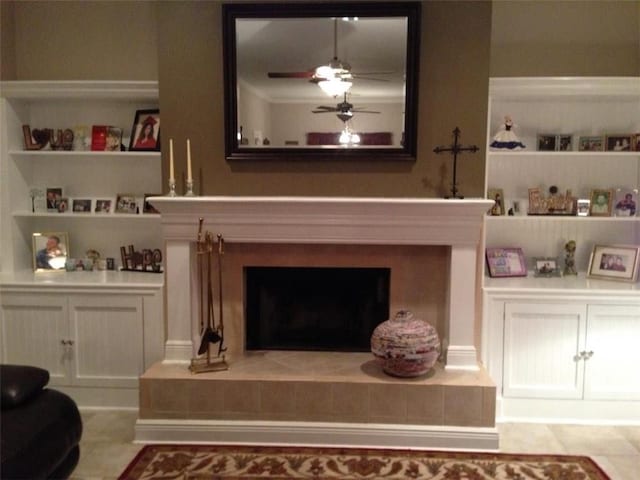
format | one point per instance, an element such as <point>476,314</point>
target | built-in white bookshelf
<point>82,174</point>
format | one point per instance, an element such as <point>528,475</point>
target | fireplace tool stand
<point>207,359</point>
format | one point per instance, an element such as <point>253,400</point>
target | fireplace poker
<point>221,323</point>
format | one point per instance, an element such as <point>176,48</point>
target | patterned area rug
<point>213,462</point>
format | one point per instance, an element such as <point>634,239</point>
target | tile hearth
<point>317,387</point>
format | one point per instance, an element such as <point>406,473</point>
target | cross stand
<point>455,149</point>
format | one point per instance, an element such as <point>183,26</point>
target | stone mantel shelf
<point>354,220</point>
<point>323,220</point>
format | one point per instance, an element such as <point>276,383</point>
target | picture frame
<point>601,202</point>
<point>626,202</point>
<point>547,142</point>
<point>614,262</point>
<point>145,133</point>
<point>126,203</point>
<point>81,205</point>
<point>564,143</point>
<point>506,262</point>
<point>618,143</point>
<point>497,195</point>
<point>546,267</point>
<point>63,205</point>
<point>593,143</point>
<point>114,139</point>
<point>103,206</point>
<point>146,206</point>
<point>636,142</point>
<point>53,197</point>
<point>583,205</point>
<point>50,251</point>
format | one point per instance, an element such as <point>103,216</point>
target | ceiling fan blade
<point>355,110</point>
<point>324,111</point>
<point>324,107</point>
<point>359,77</point>
<point>290,74</point>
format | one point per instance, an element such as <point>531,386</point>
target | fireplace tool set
<point>210,333</point>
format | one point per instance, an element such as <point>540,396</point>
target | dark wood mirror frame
<point>234,11</point>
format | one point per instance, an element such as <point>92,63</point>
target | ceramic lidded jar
<point>405,346</point>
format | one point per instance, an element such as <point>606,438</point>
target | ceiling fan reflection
<point>344,110</point>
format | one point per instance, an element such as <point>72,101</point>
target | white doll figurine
<point>506,138</point>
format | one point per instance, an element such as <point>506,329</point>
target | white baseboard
<point>462,357</point>
<point>316,434</point>
<point>588,412</point>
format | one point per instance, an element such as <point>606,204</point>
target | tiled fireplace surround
<point>431,247</point>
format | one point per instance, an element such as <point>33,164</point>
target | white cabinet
<point>563,351</point>
<point>81,174</point>
<point>95,341</point>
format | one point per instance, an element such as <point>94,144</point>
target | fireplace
<point>384,222</point>
<point>314,308</point>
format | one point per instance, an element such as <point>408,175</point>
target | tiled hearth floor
<point>107,447</point>
<point>317,386</point>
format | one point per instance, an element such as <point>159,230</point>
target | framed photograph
<point>506,262</point>
<point>626,202</point>
<point>546,267</point>
<point>497,195</point>
<point>145,134</point>
<point>114,139</point>
<point>50,251</point>
<point>583,205</point>
<point>63,205</point>
<point>126,203</point>
<point>103,205</point>
<point>636,142</point>
<point>591,144</point>
<point>81,205</point>
<point>535,201</point>
<point>547,142</point>
<point>564,143</point>
<point>614,262</point>
<point>618,143</point>
<point>147,207</point>
<point>54,195</point>
<point>601,202</point>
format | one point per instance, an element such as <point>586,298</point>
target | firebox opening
<point>314,308</point>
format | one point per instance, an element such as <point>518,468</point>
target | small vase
<point>405,346</point>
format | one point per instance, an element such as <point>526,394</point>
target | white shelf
<point>555,155</point>
<point>82,90</point>
<point>98,279</point>
<point>94,216</point>
<point>558,218</point>
<point>83,153</point>
<point>569,285</point>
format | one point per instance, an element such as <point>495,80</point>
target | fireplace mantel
<point>329,220</point>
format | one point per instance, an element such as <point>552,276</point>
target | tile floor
<point>107,446</point>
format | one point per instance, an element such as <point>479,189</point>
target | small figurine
<point>569,261</point>
<point>506,138</point>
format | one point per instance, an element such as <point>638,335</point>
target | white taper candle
<point>172,176</point>
<point>189,175</point>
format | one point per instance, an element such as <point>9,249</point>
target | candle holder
<point>189,192</point>
<point>172,188</point>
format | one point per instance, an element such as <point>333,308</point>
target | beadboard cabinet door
<point>542,345</point>
<point>612,353</point>
<point>108,332</point>
<point>34,331</point>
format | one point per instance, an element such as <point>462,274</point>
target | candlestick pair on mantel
<point>172,178</point>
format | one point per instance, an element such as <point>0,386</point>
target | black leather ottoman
<point>40,427</point>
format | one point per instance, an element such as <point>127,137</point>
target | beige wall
<point>565,38</point>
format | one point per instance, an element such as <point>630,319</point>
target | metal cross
<point>455,149</point>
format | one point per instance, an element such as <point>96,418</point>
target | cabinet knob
<point>66,342</point>
<point>586,355</point>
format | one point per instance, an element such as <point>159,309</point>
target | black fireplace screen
<point>314,308</point>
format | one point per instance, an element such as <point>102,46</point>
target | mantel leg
<point>461,353</point>
<point>179,346</point>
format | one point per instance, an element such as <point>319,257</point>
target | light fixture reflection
<point>347,137</point>
<point>334,87</point>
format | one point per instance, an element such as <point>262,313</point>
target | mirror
<point>321,81</point>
